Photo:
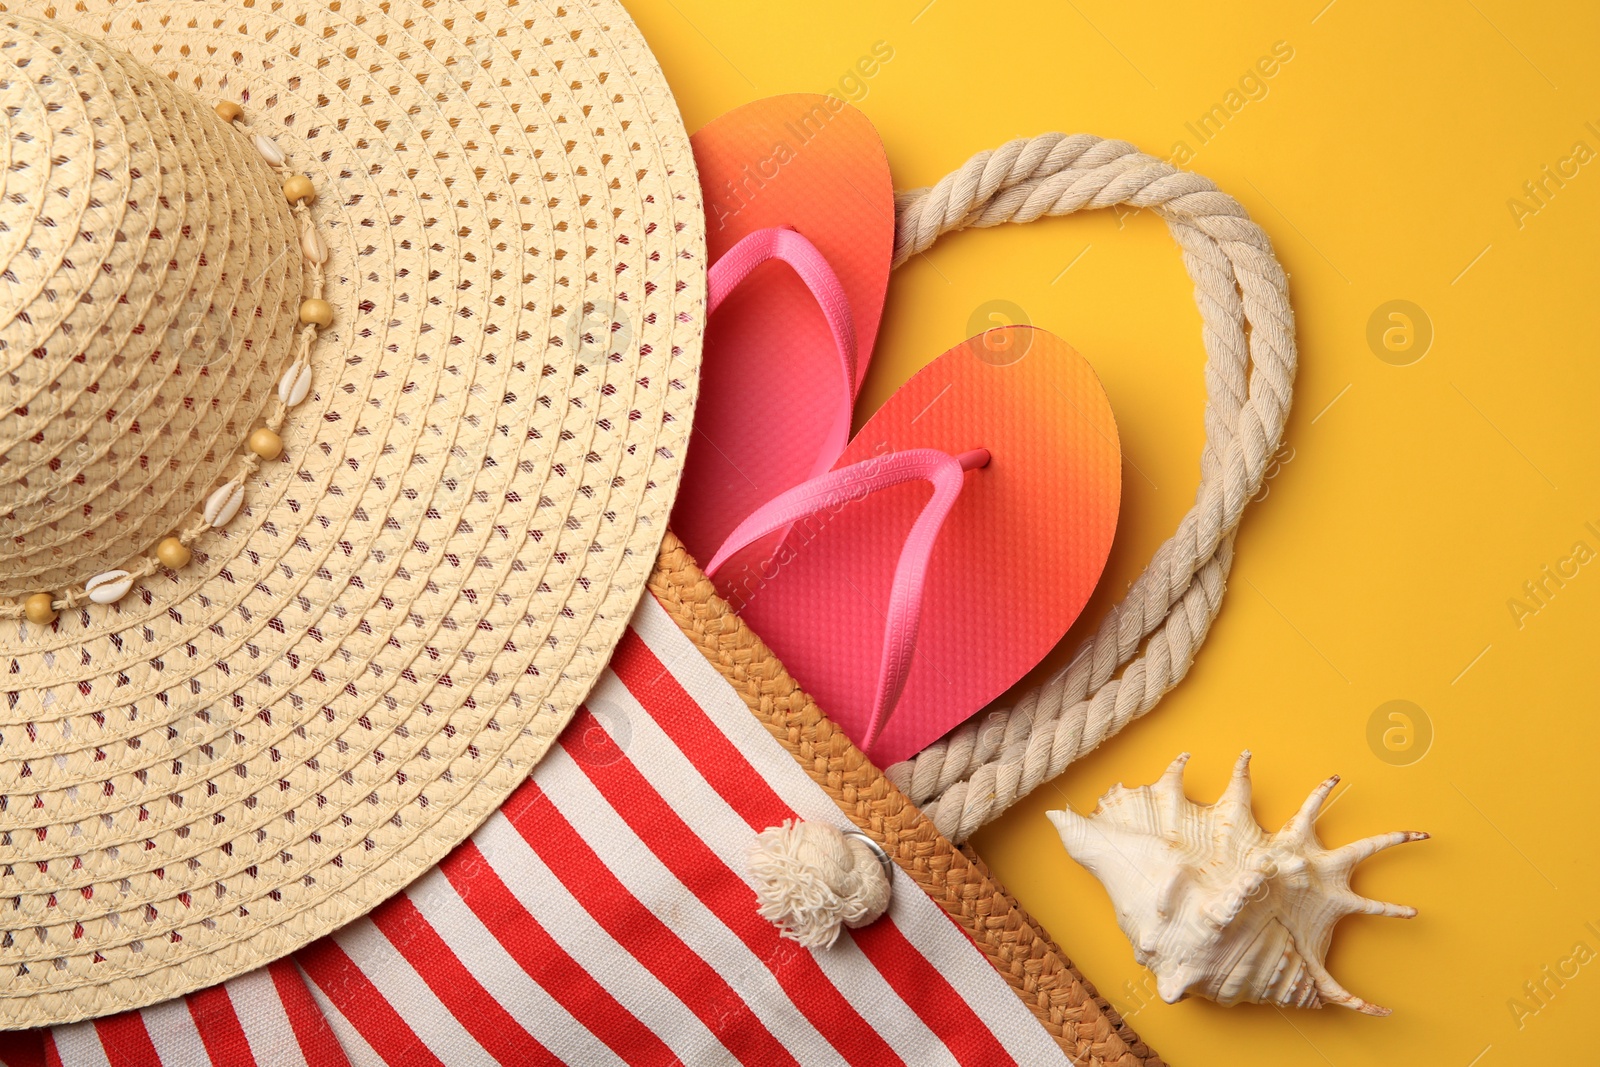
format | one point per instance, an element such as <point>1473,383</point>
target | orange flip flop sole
<point>770,380</point>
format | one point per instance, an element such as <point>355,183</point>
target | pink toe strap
<point>831,492</point>
<point>783,243</point>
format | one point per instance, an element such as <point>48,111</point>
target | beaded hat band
<point>348,353</point>
<point>204,348</point>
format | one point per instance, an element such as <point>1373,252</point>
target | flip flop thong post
<point>953,544</point>
<point>800,231</point>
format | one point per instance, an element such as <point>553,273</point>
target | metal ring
<point>877,850</point>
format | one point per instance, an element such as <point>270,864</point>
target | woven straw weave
<point>1088,1029</point>
<point>246,753</point>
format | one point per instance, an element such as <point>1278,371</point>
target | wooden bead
<point>299,187</point>
<point>229,111</point>
<point>40,609</point>
<point>173,553</point>
<point>266,444</point>
<point>316,311</point>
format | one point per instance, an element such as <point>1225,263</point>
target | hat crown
<point>149,289</point>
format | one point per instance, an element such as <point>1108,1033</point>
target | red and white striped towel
<point>602,916</point>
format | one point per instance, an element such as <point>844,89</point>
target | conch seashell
<point>1214,905</point>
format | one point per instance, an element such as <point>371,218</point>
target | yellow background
<point>1410,505</point>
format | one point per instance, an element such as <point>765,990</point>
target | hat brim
<point>250,752</point>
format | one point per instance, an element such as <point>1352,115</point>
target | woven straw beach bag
<point>348,351</point>
<point>1083,1023</point>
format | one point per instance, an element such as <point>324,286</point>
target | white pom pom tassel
<point>812,879</point>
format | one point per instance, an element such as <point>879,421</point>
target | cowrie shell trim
<point>109,587</point>
<point>312,247</point>
<point>224,504</point>
<point>295,384</point>
<point>270,151</point>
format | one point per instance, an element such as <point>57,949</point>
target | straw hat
<point>322,502</point>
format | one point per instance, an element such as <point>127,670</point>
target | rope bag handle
<point>981,768</point>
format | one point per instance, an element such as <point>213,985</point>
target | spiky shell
<point>1214,905</point>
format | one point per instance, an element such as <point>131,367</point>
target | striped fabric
<point>602,916</point>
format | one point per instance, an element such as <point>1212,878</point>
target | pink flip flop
<point>949,549</point>
<point>800,231</point>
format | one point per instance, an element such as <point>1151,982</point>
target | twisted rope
<point>984,766</point>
